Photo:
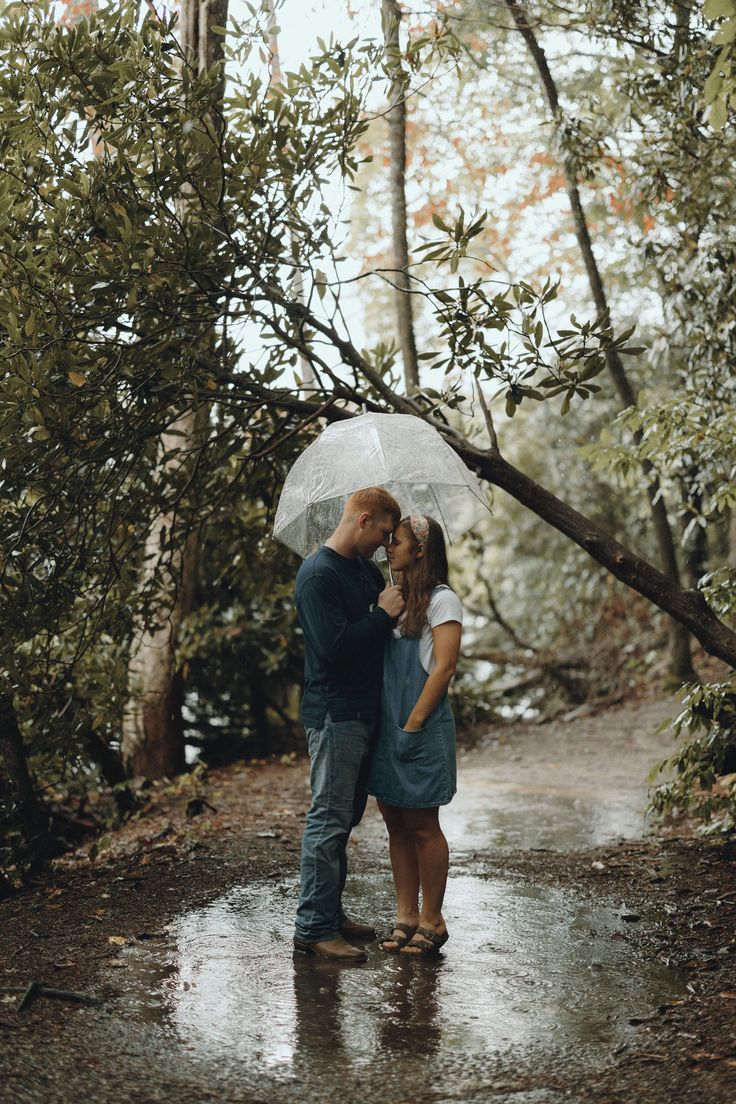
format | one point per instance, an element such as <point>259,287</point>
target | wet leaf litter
<point>205,921</point>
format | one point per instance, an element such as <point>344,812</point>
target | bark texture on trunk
<point>396,118</point>
<point>731,559</point>
<point>307,379</point>
<point>33,819</point>
<point>152,741</point>
<point>680,658</point>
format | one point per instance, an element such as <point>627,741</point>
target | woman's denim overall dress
<point>413,770</point>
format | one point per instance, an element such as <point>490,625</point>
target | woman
<point>413,768</point>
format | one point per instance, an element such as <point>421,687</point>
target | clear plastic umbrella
<point>399,452</point>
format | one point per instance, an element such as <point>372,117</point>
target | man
<point>346,614</point>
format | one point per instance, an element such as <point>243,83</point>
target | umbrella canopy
<point>398,452</point>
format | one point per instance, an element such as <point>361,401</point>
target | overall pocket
<point>409,746</point>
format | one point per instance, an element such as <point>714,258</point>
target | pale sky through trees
<point>472,141</point>
<point>457,138</point>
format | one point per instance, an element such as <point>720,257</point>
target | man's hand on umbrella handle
<point>391,600</point>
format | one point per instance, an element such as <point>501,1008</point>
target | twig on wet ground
<point>38,989</point>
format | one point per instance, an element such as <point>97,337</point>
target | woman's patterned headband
<point>419,527</point>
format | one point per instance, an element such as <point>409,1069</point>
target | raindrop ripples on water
<point>525,966</point>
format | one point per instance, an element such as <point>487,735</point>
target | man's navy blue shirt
<point>344,635</point>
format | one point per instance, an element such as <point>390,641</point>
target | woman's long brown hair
<point>428,572</point>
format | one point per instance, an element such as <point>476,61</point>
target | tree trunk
<point>106,758</point>
<point>259,712</point>
<point>396,118</point>
<point>682,30</point>
<point>33,819</point>
<point>695,542</point>
<point>681,667</point>
<point>111,768</point>
<point>307,379</point>
<point>153,732</point>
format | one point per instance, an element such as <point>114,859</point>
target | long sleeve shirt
<point>344,635</point>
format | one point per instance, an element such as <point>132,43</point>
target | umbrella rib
<point>444,523</point>
<point>383,454</point>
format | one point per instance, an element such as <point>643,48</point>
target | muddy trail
<point>590,958</point>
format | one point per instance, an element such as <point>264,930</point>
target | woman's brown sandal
<point>399,940</point>
<point>432,942</point>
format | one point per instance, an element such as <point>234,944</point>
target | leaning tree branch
<point>687,606</point>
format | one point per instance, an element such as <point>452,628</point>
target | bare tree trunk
<point>396,118</point>
<point>307,379</point>
<point>682,28</point>
<point>259,712</point>
<point>731,557</point>
<point>153,732</point>
<point>34,821</point>
<point>681,667</point>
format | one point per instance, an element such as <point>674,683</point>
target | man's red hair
<point>374,501</point>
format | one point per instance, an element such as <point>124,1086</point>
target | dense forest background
<point>513,220</point>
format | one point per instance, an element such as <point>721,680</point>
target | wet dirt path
<point>566,977</point>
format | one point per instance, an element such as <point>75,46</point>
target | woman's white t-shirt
<point>444,605</point>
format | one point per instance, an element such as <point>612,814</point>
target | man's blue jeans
<point>339,752</point>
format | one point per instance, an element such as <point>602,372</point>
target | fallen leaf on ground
<point>118,940</point>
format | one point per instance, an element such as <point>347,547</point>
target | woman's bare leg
<point>405,868</point>
<point>433,858</point>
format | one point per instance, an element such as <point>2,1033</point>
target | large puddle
<point>526,967</point>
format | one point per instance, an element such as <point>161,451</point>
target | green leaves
<point>719,90</point>
<point>459,236</point>
<point>708,715</point>
<point>719,9</point>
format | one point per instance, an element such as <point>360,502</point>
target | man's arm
<point>330,633</point>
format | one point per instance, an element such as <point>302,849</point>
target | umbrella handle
<point>391,575</point>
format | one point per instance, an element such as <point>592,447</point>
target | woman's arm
<point>446,649</point>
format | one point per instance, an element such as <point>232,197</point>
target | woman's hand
<point>446,647</point>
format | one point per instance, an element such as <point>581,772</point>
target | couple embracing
<point>378,662</point>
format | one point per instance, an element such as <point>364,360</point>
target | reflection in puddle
<point>525,967</point>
